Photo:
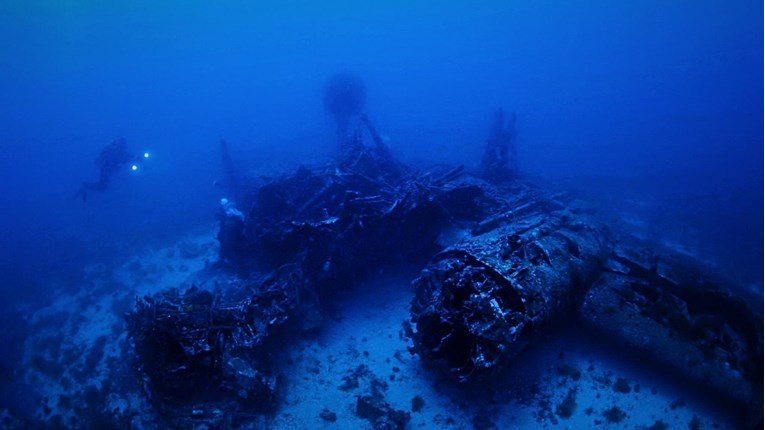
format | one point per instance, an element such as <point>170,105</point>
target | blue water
<point>655,107</point>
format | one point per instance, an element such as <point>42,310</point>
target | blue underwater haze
<point>651,108</point>
<point>660,99</point>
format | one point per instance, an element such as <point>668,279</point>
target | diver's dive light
<point>136,166</point>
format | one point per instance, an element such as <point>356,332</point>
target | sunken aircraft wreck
<point>505,260</point>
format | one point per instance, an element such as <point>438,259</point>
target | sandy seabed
<point>75,369</point>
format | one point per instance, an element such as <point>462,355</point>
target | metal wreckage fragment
<point>204,356</point>
<point>525,259</point>
<point>480,302</point>
<point>663,306</point>
<point>306,237</point>
<point>340,223</point>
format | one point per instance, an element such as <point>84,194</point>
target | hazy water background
<point>654,104</point>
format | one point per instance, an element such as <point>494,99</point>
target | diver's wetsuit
<point>111,159</point>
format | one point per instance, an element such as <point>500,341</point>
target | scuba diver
<point>231,234</point>
<point>112,158</point>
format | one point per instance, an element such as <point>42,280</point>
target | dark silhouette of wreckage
<point>525,259</point>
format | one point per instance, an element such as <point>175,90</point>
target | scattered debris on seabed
<point>293,317</point>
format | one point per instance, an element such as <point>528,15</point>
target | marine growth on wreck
<point>504,263</point>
